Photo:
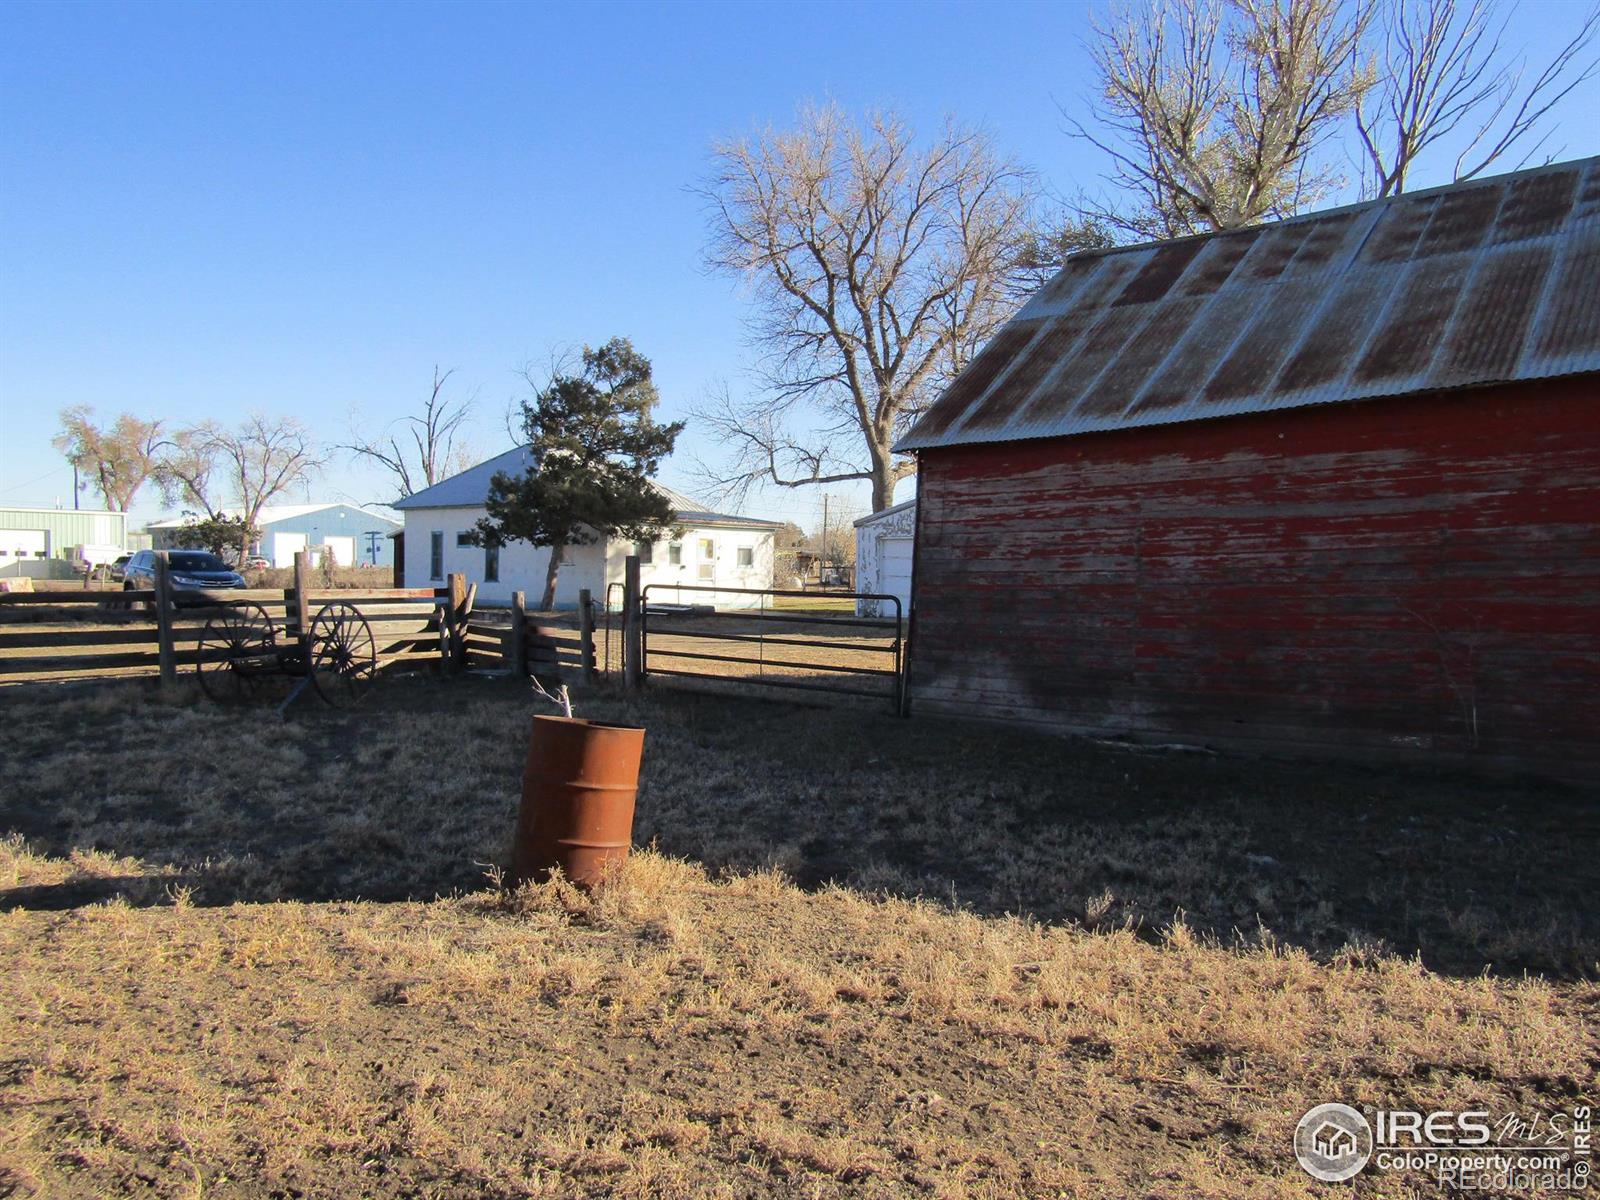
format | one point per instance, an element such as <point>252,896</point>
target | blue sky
<point>212,208</point>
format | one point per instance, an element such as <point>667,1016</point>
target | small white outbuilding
<point>704,550</point>
<point>884,543</point>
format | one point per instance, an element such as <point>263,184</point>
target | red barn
<point>1330,484</point>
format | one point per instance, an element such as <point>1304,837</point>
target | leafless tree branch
<point>1215,113</point>
<point>1445,69</point>
<point>260,460</point>
<point>423,449</point>
<point>877,265</point>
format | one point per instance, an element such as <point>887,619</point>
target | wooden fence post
<point>632,631</point>
<point>586,633</point>
<point>299,613</point>
<point>519,634</point>
<point>455,607</point>
<point>166,650</point>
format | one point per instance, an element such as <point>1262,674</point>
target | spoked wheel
<point>344,654</point>
<point>238,645</point>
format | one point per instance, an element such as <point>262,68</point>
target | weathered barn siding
<point>1416,574</point>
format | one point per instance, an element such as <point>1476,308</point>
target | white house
<point>351,534</point>
<point>704,550</point>
<point>884,544</point>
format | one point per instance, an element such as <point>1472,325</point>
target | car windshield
<point>193,561</point>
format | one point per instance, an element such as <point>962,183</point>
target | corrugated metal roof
<point>694,512</point>
<point>470,488</point>
<point>1489,281</point>
<point>271,513</point>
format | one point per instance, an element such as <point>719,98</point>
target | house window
<point>747,556</point>
<point>675,553</point>
<point>436,555</point>
<point>646,551</point>
<point>464,538</point>
<point>491,564</point>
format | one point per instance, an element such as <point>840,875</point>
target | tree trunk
<point>244,536</point>
<point>883,482</point>
<point>550,573</point>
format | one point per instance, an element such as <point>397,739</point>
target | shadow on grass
<point>414,796</point>
<point>77,891</point>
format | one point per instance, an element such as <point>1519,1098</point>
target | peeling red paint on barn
<point>1411,575</point>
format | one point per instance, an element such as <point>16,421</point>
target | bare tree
<point>185,464</point>
<point>118,458</point>
<point>1214,113</point>
<point>1444,69</point>
<point>424,450</point>
<point>878,269</point>
<point>834,541</point>
<point>259,461</point>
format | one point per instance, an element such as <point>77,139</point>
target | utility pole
<point>822,558</point>
<point>74,487</point>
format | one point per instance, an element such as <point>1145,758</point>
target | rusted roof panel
<point>1488,281</point>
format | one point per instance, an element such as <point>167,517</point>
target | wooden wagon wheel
<point>238,645</point>
<point>343,654</point>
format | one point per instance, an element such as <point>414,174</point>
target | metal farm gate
<point>769,646</point>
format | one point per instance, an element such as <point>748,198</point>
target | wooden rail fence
<point>75,634</point>
<point>514,641</point>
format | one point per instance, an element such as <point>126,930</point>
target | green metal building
<point>41,541</point>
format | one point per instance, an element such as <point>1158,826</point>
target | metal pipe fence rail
<point>849,677</point>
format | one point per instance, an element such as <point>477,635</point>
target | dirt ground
<point>868,956</point>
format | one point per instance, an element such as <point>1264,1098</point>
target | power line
<point>17,487</point>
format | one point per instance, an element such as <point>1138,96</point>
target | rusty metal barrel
<point>578,788</point>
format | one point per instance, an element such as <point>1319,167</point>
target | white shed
<point>704,550</point>
<point>884,544</point>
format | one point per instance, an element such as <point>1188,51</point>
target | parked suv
<point>188,570</point>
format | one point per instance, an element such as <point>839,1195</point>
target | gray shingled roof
<point>1489,281</point>
<point>470,488</point>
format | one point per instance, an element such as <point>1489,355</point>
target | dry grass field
<point>867,956</point>
<point>334,577</point>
